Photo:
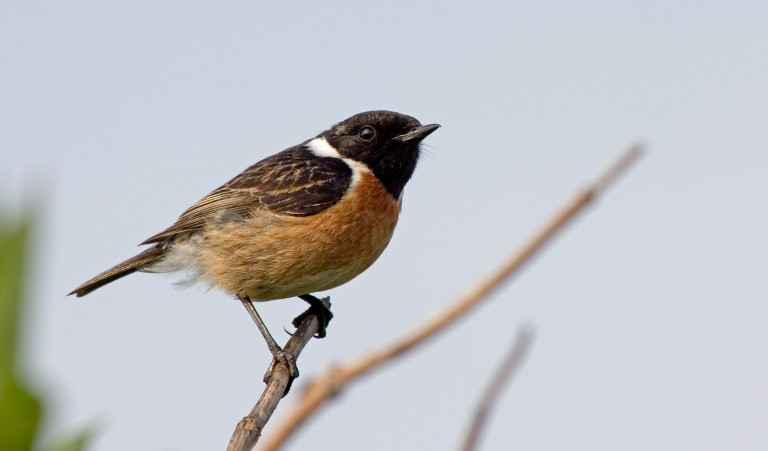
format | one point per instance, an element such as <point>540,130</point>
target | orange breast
<point>273,256</point>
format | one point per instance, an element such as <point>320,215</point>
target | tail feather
<point>129,266</point>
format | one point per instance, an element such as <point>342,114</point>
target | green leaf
<point>13,245</point>
<point>19,416</point>
<point>19,409</point>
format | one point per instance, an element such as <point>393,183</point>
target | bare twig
<point>511,363</point>
<point>328,384</point>
<point>249,429</point>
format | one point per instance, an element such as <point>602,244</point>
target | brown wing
<point>293,182</point>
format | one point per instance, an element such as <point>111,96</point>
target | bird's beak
<point>418,133</point>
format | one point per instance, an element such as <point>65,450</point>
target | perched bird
<point>306,219</point>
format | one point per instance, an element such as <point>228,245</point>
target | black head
<point>388,143</point>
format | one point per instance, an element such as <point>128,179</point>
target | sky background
<point>650,311</point>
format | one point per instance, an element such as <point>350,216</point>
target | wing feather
<point>293,182</point>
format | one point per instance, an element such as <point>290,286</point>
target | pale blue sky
<point>650,311</point>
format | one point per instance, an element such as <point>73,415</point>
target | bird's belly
<point>271,256</point>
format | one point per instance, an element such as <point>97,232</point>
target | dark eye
<point>366,133</point>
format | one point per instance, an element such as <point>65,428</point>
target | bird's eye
<point>366,133</point>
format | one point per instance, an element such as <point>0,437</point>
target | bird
<point>306,219</point>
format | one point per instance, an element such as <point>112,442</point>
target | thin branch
<point>510,365</point>
<point>328,384</point>
<point>278,379</point>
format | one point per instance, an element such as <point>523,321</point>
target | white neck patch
<point>322,148</point>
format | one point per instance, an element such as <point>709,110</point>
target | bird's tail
<point>129,266</point>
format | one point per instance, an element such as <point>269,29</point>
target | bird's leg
<point>278,354</point>
<point>317,308</point>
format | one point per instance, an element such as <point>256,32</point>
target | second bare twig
<point>511,363</point>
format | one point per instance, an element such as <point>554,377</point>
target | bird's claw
<point>323,315</point>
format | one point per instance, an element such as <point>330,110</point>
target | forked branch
<point>249,429</point>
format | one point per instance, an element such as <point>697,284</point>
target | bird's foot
<point>318,307</point>
<point>286,358</point>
